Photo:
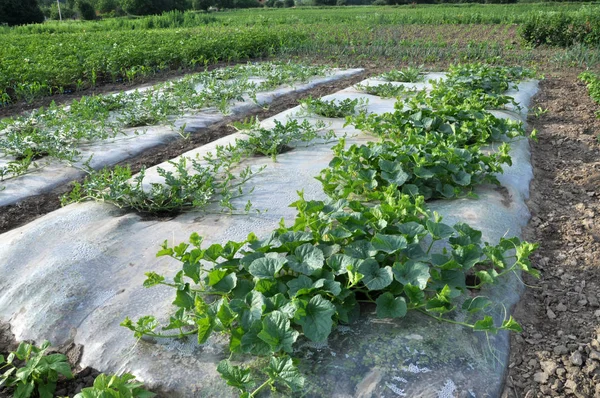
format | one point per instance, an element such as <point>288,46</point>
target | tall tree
<point>20,12</point>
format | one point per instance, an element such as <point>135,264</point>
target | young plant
<point>386,90</point>
<point>182,189</point>
<point>115,386</point>
<point>271,142</point>
<point>410,74</point>
<point>30,371</point>
<point>333,108</point>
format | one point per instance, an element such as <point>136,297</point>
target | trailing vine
<point>378,244</point>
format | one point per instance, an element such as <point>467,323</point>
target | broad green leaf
<point>412,273</point>
<point>307,259</point>
<point>283,370</point>
<point>389,243</point>
<point>389,306</point>
<point>252,344</point>
<point>414,294</point>
<point>278,333</point>
<point>236,376</point>
<point>439,230</point>
<point>301,283</point>
<point>361,249</point>
<point>183,298</point>
<point>315,317</point>
<point>222,280</point>
<point>374,276</point>
<point>266,267</point>
<point>511,324</point>
<point>339,263</point>
<point>476,304</point>
<point>412,229</point>
<point>205,327</point>
<point>485,325</point>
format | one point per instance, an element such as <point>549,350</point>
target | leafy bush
<point>332,108</point>
<point>86,10</point>
<point>20,12</point>
<point>39,371</point>
<point>561,29</point>
<point>592,81</point>
<point>114,386</point>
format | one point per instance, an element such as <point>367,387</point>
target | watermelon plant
<point>333,108</point>
<point>378,244</point>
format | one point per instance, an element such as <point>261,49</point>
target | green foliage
<point>271,142</point>
<point>55,132</point>
<point>20,12</point>
<point>181,189</point>
<point>86,10</point>
<point>592,81</point>
<point>379,245</point>
<point>30,371</point>
<point>562,29</point>
<point>386,90</point>
<point>114,386</point>
<point>409,74</point>
<point>333,108</point>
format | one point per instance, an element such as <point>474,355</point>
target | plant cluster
<point>562,29</point>
<point>333,108</point>
<point>386,90</point>
<point>196,184</point>
<point>32,371</point>
<point>37,375</point>
<point>592,82</point>
<point>55,132</point>
<point>276,140</point>
<point>304,279</point>
<point>410,74</point>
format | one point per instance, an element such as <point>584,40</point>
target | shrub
<point>20,12</point>
<point>86,10</point>
<point>289,3</point>
<point>559,29</point>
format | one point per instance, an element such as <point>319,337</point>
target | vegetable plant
<point>386,90</point>
<point>114,386</point>
<point>30,371</point>
<point>410,74</point>
<point>333,108</point>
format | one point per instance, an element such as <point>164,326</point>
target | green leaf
<point>183,299</point>
<point>221,280</point>
<point>236,376</point>
<point>375,277</point>
<point>389,306</point>
<point>283,370</point>
<point>205,327</point>
<point>307,259</point>
<point>278,333</point>
<point>485,325</point>
<point>412,229</point>
<point>476,304</point>
<point>511,324</point>
<point>153,279</point>
<point>414,294</point>
<point>266,267</point>
<point>315,317</point>
<point>412,273</point>
<point>301,284</point>
<point>361,249</point>
<point>439,230</point>
<point>252,344</point>
<point>389,243</point>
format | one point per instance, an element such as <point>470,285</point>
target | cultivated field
<point>368,201</point>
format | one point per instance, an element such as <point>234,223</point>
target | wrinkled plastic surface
<point>77,273</point>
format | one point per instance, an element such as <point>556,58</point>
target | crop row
<point>372,241</point>
<point>55,132</point>
<point>38,65</point>
<point>592,81</point>
<point>365,16</point>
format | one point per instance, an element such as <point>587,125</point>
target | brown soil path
<point>558,353</point>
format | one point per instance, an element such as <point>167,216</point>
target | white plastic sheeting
<point>135,141</point>
<point>76,273</point>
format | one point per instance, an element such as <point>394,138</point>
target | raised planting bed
<point>51,147</point>
<point>361,282</point>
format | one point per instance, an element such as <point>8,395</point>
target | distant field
<point>40,60</point>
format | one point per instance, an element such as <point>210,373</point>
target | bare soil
<point>558,353</point>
